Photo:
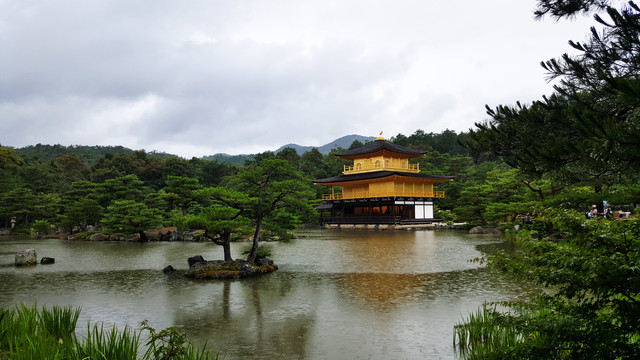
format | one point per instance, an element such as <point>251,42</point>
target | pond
<point>339,294</point>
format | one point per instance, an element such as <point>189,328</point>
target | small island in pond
<point>235,269</point>
<point>202,269</point>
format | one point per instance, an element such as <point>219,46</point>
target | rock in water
<point>26,257</point>
<point>195,259</point>
<point>168,269</point>
<point>262,262</point>
<point>47,260</point>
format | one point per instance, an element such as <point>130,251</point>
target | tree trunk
<point>537,191</point>
<point>226,246</point>
<point>600,204</point>
<point>256,237</point>
<point>225,241</point>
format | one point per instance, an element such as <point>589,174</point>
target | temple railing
<point>367,195</point>
<point>393,166</point>
<point>363,220</point>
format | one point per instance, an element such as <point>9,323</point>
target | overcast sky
<point>200,77</point>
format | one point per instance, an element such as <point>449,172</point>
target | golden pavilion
<point>381,187</point>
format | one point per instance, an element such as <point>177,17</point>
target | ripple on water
<point>338,294</point>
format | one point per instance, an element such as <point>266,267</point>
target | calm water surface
<point>338,294</point>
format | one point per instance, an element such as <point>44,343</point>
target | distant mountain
<point>343,142</point>
<point>91,154</point>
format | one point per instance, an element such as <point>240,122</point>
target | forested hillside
<point>445,142</point>
<point>70,188</point>
<point>50,190</point>
<point>87,154</point>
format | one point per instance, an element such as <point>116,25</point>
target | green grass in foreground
<point>29,333</point>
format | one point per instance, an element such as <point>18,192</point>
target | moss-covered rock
<point>26,258</point>
<point>236,269</point>
<point>476,230</point>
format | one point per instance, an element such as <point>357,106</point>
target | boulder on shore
<point>163,234</point>
<point>492,231</point>
<point>236,269</point>
<point>476,230</point>
<point>26,257</point>
<point>195,235</point>
<point>98,237</point>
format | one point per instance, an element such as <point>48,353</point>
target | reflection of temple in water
<point>380,291</point>
<point>380,188</point>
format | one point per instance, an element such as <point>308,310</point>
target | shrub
<point>591,312</point>
<point>264,251</point>
<point>41,227</point>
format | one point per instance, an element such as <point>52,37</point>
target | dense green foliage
<point>274,185</point>
<point>29,333</point>
<point>75,188</point>
<point>221,216</point>
<point>447,142</point>
<point>586,132</point>
<point>88,155</point>
<point>591,270</point>
<point>581,144</point>
<point>73,196</point>
<point>125,217</point>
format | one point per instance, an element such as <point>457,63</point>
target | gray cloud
<point>203,77</point>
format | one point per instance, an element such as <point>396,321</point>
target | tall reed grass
<point>109,344</point>
<point>29,333</point>
<point>26,333</point>
<point>483,332</point>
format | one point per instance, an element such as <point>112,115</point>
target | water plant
<point>485,331</point>
<point>109,344</point>
<point>59,322</point>
<point>27,332</point>
<point>171,343</point>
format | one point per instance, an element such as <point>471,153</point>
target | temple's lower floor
<point>384,211</point>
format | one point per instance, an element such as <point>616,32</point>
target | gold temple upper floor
<point>369,194</point>
<point>381,165</point>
